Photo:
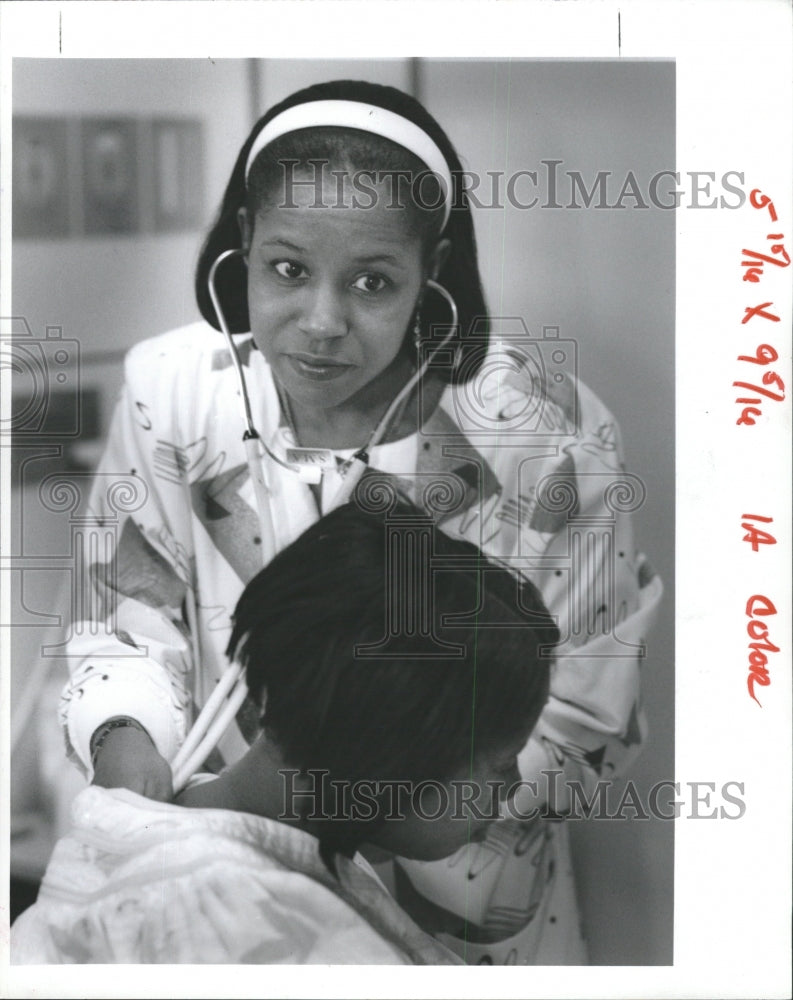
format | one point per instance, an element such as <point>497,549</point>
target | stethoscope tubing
<point>231,690</point>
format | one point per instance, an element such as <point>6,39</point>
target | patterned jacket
<point>524,461</point>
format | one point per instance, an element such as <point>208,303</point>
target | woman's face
<point>331,292</point>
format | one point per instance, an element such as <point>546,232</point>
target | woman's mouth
<point>316,368</point>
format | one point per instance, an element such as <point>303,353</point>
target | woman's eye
<point>370,283</point>
<point>289,269</point>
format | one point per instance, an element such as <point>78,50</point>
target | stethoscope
<point>230,691</point>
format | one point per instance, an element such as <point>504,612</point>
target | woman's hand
<point>129,759</point>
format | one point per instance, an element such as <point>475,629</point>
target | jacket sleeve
<point>129,651</point>
<point>593,726</point>
<point>604,596</point>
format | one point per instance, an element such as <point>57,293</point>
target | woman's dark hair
<point>364,151</point>
<point>413,709</point>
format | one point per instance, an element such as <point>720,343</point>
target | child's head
<point>361,213</point>
<point>412,710</point>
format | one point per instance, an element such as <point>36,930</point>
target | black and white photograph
<point>362,521</point>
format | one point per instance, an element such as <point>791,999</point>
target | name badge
<point>311,462</point>
<point>319,458</point>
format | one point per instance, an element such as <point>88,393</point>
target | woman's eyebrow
<point>367,258</point>
<point>379,258</point>
<point>278,242</point>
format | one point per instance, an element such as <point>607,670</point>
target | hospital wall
<point>605,278</point>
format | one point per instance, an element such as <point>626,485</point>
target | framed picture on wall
<point>40,178</point>
<point>109,164</point>
<point>178,173</point>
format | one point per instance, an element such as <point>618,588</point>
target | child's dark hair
<point>406,713</point>
<point>364,151</point>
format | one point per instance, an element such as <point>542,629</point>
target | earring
<point>417,330</point>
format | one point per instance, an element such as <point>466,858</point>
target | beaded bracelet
<point>101,734</point>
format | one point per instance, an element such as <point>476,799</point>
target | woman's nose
<point>323,315</point>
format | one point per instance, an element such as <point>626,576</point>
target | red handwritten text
<point>754,535</point>
<point>764,355</point>
<point>758,607</point>
<point>752,311</point>
<point>759,200</point>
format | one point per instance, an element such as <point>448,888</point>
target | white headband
<point>365,118</point>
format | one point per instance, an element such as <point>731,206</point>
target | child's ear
<point>246,228</point>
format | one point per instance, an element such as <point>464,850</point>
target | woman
<point>354,269</point>
<point>259,865</point>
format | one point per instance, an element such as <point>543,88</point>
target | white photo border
<point>733,59</point>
